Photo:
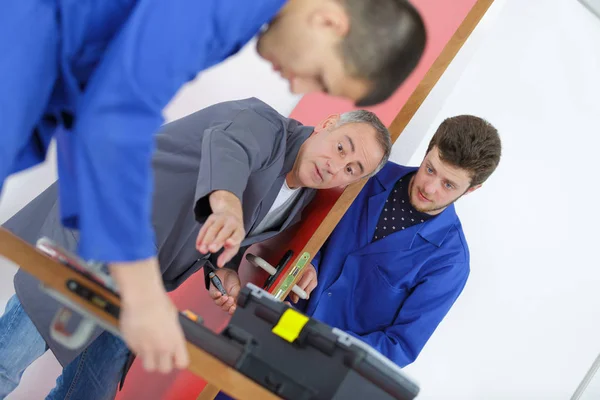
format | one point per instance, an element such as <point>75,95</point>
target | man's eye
<point>350,170</point>
<point>449,186</point>
<point>429,170</point>
<point>340,147</point>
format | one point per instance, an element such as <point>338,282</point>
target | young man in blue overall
<point>398,260</point>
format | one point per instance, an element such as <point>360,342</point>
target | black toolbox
<point>297,357</point>
<point>292,355</point>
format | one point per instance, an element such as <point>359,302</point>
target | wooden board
<point>55,275</point>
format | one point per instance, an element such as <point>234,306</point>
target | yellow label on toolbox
<point>290,325</point>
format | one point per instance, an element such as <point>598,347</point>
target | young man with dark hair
<point>358,49</point>
<point>398,260</point>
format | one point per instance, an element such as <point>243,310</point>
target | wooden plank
<point>209,392</point>
<point>55,275</point>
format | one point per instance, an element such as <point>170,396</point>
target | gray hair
<point>381,132</point>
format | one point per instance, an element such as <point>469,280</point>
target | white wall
<point>244,75</point>
<point>527,325</point>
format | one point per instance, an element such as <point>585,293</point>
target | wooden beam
<point>55,275</point>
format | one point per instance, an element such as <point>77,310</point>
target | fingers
<point>226,305</point>
<point>307,282</point>
<point>233,288</point>
<point>220,231</point>
<point>148,361</point>
<point>165,359</point>
<point>182,357</point>
<point>231,283</point>
<point>218,228</point>
<point>310,287</point>
<point>214,293</point>
<point>166,355</point>
<point>231,309</point>
<point>227,255</point>
<point>313,281</point>
<point>223,302</point>
<point>301,284</point>
<point>200,246</point>
<point>164,362</point>
<point>207,244</point>
<point>220,300</point>
<point>152,331</point>
<point>232,246</point>
<point>224,234</point>
<point>236,237</point>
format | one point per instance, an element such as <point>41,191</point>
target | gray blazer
<point>243,146</point>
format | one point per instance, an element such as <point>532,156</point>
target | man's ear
<point>472,189</point>
<point>331,16</point>
<point>327,123</point>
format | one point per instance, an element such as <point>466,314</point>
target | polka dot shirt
<point>398,214</point>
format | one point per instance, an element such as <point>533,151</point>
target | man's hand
<point>148,319</point>
<point>231,283</point>
<point>224,228</point>
<point>308,282</point>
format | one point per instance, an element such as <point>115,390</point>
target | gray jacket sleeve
<point>230,152</point>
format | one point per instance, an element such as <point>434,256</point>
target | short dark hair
<point>470,143</point>
<point>384,44</point>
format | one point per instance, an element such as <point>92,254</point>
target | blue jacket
<point>104,71</point>
<point>394,292</point>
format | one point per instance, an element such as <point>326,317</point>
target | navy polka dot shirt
<point>398,214</point>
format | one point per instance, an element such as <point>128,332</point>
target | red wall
<point>442,18</point>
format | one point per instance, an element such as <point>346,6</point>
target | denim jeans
<point>94,374</point>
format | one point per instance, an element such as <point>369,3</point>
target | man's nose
<point>334,166</point>
<point>429,187</point>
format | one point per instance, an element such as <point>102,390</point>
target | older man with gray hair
<point>225,177</point>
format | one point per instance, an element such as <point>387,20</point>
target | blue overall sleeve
<point>163,44</point>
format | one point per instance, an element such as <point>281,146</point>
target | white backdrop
<point>527,325</point>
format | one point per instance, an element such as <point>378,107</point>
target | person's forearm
<point>148,320</point>
<point>137,280</point>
